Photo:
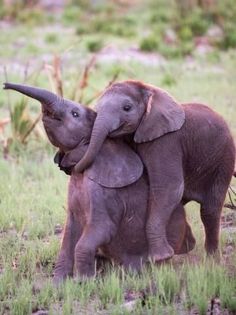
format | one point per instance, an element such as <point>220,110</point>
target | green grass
<point>33,190</point>
<point>33,196</point>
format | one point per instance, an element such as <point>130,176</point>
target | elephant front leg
<point>166,192</point>
<point>85,250</point>
<point>65,261</point>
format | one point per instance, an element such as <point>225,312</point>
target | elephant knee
<point>84,260</point>
<point>83,252</point>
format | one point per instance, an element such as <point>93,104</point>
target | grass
<point>33,191</point>
<point>33,196</point>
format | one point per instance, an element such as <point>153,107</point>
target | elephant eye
<point>75,114</point>
<point>127,107</point>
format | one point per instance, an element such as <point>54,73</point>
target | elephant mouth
<point>121,131</point>
<point>51,115</point>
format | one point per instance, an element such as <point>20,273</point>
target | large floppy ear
<point>116,165</point>
<point>163,115</point>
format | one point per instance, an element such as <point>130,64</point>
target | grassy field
<point>33,190</point>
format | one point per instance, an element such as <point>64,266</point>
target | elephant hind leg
<point>211,220</point>
<point>189,241</point>
<point>211,209</point>
<point>179,233</point>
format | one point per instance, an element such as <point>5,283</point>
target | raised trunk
<point>45,97</point>
<point>99,134</point>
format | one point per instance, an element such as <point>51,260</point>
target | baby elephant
<point>107,204</point>
<point>188,151</point>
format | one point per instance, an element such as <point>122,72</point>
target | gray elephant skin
<point>107,204</point>
<point>187,149</point>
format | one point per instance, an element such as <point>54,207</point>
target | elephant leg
<point>161,208</point>
<point>166,191</point>
<point>65,261</point>
<point>94,235</point>
<point>211,209</point>
<point>179,233</point>
<point>189,241</point>
<point>211,220</point>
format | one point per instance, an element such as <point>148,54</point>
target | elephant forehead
<point>125,89</point>
<point>113,100</point>
<point>74,105</point>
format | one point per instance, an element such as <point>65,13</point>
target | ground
<point>33,190</point>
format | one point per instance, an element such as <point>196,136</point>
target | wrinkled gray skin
<point>187,149</point>
<point>107,207</point>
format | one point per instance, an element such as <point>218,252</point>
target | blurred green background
<point>76,48</point>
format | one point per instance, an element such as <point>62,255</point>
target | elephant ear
<point>163,115</point>
<point>71,158</point>
<point>116,165</point>
<point>58,159</point>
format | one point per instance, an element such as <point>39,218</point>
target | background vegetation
<point>76,48</point>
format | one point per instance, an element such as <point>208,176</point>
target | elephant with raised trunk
<point>187,149</point>
<point>107,204</point>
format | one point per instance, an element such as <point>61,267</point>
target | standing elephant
<point>187,149</point>
<point>107,204</point>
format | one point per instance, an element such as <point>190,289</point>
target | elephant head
<point>68,126</point>
<point>66,123</point>
<point>131,107</point>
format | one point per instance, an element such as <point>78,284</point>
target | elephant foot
<point>215,254</point>
<point>85,271</point>
<point>160,252</point>
<point>61,273</point>
<point>60,276</point>
<point>189,242</point>
<point>58,280</point>
<point>83,277</point>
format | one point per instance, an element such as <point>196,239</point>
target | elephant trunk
<point>98,136</point>
<point>45,97</point>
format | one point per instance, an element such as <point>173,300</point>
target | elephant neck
<point>129,139</point>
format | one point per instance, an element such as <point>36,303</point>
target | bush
<point>170,51</point>
<point>197,22</point>
<point>185,33</point>
<point>51,38</point>
<point>71,14</point>
<point>122,31</point>
<point>101,24</point>
<point>94,45</point>
<point>160,16</point>
<point>81,29</point>
<point>31,16</point>
<point>229,40</point>
<point>24,11</point>
<point>150,43</point>
<point>187,48</point>
<point>168,80</point>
